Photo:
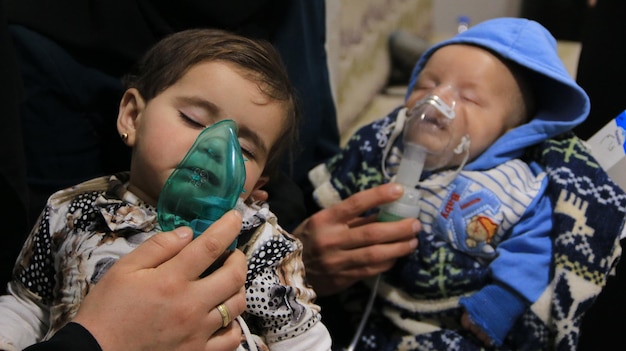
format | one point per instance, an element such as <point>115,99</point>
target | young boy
<point>190,81</point>
<point>484,252</point>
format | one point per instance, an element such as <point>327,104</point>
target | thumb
<point>157,250</point>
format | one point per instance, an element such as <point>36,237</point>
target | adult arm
<point>342,248</point>
<point>152,298</point>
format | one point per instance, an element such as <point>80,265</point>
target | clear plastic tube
<point>366,314</point>
<point>427,131</point>
<point>408,176</point>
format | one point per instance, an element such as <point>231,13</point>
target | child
<point>484,253</point>
<point>189,81</point>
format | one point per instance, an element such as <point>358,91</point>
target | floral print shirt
<point>85,229</point>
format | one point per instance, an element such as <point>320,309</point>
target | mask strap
<point>398,125</point>
<point>462,147</point>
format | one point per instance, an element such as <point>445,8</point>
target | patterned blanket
<point>589,216</point>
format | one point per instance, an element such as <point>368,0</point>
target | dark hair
<point>257,60</point>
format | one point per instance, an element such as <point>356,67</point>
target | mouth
<point>436,122</point>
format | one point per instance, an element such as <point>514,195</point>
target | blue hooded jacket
<point>561,103</point>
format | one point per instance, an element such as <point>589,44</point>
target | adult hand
<point>341,248</point>
<point>153,298</point>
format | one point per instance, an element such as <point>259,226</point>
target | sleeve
<point>72,337</point>
<point>496,307</point>
<point>280,303</point>
<point>24,315</point>
<point>358,166</point>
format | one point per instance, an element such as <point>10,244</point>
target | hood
<point>561,103</point>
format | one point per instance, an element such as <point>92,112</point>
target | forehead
<point>464,55</point>
<point>234,93</point>
<point>469,62</point>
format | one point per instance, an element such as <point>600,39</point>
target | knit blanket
<point>589,213</point>
<point>589,216</point>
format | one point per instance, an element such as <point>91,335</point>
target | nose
<point>216,148</point>
<point>447,93</point>
<point>433,108</point>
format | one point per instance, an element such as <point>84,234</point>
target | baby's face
<point>167,126</point>
<point>487,100</point>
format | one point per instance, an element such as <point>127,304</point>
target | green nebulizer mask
<point>206,183</point>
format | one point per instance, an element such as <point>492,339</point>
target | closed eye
<point>248,154</point>
<point>190,121</point>
<point>472,99</point>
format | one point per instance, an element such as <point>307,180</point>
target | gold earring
<point>124,136</point>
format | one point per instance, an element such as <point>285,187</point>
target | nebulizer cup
<point>426,136</point>
<point>207,183</point>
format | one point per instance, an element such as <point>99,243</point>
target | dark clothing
<point>13,188</point>
<point>300,41</point>
<point>601,71</point>
<point>74,52</point>
<point>111,35</point>
<point>600,331</point>
<point>602,75</point>
<point>73,337</point>
<point>68,118</point>
<point>563,18</point>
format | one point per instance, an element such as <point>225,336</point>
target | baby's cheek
<point>413,98</point>
<point>253,180</point>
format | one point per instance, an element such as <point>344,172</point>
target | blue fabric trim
<point>494,319</point>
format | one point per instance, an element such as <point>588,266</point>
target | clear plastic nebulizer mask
<point>206,183</point>
<point>427,133</point>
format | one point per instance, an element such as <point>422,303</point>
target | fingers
<point>225,339</point>
<point>384,233</point>
<point>331,269</point>
<point>225,313</point>
<point>320,240</point>
<point>230,278</point>
<point>341,247</point>
<point>196,257</point>
<point>365,200</point>
<point>338,256</point>
<point>329,283</point>
<point>156,250</point>
<point>351,265</point>
<point>371,259</point>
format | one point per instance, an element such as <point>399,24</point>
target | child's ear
<point>261,182</point>
<point>131,107</point>
<point>257,194</point>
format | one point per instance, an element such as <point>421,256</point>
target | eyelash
<point>249,154</point>
<point>471,100</point>
<point>193,123</point>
